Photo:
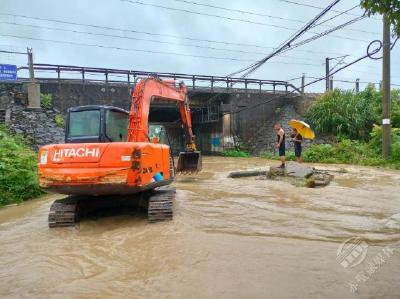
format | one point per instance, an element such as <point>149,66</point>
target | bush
<point>376,141</point>
<point>46,101</point>
<point>343,113</point>
<point>235,153</point>
<point>351,115</point>
<point>60,120</point>
<point>18,170</point>
<point>318,153</point>
<point>376,97</point>
<point>351,152</point>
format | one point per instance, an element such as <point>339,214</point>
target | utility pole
<point>303,81</point>
<point>327,74</point>
<point>357,85</point>
<point>386,127</point>
<point>33,86</point>
<point>30,64</point>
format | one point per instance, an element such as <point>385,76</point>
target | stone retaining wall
<point>37,125</point>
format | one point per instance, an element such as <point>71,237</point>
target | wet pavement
<point>230,238</point>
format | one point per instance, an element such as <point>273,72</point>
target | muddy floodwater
<point>230,238</point>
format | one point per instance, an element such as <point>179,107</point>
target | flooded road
<point>230,238</point>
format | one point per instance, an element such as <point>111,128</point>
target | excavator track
<point>64,212</point>
<point>160,207</point>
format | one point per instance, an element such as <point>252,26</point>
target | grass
<point>235,153</point>
<point>272,156</point>
<point>18,169</point>
<point>343,152</point>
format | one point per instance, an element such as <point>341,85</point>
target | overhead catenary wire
<point>352,81</point>
<point>336,16</point>
<point>319,7</point>
<point>210,57</point>
<point>286,44</point>
<point>13,52</point>
<point>225,17</point>
<point>258,14</point>
<point>165,42</point>
<point>150,51</point>
<point>322,34</point>
<point>157,41</point>
<point>142,39</point>
<point>369,54</point>
<point>179,37</point>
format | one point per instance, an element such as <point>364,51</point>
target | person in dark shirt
<point>280,143</point>
<point>297,140</point>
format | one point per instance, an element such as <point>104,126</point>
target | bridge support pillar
<point>33,95</point>
<point>227,137</point>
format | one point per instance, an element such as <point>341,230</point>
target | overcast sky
<point>231,44</point>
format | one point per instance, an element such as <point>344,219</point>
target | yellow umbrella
<point>303,128</point>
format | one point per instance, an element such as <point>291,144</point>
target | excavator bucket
<point>189,162</point>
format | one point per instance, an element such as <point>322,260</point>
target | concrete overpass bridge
<point>214,100</point>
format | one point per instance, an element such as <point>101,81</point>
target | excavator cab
<point>96,124</point>
<point>99,124</point>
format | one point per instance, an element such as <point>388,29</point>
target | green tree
<point>391,8</point>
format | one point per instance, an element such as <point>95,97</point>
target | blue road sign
<point>8,72</point>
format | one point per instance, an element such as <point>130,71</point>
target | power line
<point>317,36</point>
<point>13,52</point>
<point>271,16</point>
<point>283,47</point>
<point>146,40</point>
<point>149,51</point>
<point>123,49</point>
<point>368,55</point>
<point>134,31</point>
<point>227,18</point>
<point>319,7</point>
<point>288,44</point>
<point>338,15</point>
<point>161,42</point>
<point>157,41</point>
<point>274,98</point>
<point>354,81</point>
<point>154,34</point>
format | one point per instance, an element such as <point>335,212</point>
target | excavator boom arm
<point>145,91</point>
<point>152,88</point>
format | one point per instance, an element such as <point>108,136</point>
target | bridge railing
<point>212,83</point>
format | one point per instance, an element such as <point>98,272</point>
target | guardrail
<point>129,76</point>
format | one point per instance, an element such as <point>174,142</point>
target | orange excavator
<point>108,152</point>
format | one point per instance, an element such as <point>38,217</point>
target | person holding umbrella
<point>300,130</point>
<point>297,140</point>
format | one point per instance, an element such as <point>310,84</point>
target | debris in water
<point>248,173</point>
<point>295,173</point>
<point>301,175</point>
